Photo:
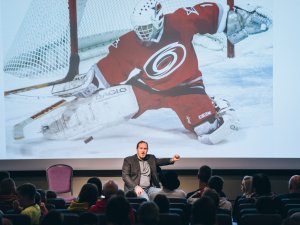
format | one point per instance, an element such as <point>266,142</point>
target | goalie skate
<point>226,122</point>
<point>85,115</point>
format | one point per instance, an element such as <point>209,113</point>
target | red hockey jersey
<point>171,62</point>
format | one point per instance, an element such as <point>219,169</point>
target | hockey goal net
<point>41,47</point>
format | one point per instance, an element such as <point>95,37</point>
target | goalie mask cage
<point>42,45</point>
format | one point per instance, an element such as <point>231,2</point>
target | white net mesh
<point>42,44</point>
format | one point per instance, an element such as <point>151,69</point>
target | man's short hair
<point>140,142</point>
<point>204,173</point>
<point>27,190</point>
<point>216,182</point>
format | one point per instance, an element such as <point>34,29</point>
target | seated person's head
<point>148,214</point>
<point>169,180</point>
<point>7,186</point>
<point>88,193</point>
<point>97,182</point>
<point>204,211</point>
<point>26,194</point>
<point>162,202</point>
<point>216,182</point>
<point>42,194</point>
<point>51,194</point>
<point>37,198</point>
<point>246,185</point>
<point>110,188</point>
<point>204,173</point>
<point>117,210</point>
<point>261,184</point>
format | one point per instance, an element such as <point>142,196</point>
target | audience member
<point>97,182</point>
<point>246,190</point>
<point>162,202</point>
<point>26,202</point>
<point>170,184</point>
<point>50,194</point>
<point>42,193</point>
<point>118,211</point>
<point>261,186</point>
<point>38,200</point>
<point>87,197</point>
<point>52,218</point>
<point>8,194</point>
<point>217,182</point>
<point>293,193</point>
<point>203,212</point>
<point>109,188</point>
<point>293,188</point>
<point>148,214</point>
<point>204,173</point>
<point>212,193</point>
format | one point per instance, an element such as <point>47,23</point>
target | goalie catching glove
<point>241,23</point>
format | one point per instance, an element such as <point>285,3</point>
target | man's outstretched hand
<point>175,158</point>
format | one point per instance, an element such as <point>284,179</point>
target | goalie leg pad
<point>85,115</point>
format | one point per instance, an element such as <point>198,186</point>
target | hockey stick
<point>19,127</point>
<point>74,57</point>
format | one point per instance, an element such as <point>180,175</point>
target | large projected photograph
<point>89,79</point>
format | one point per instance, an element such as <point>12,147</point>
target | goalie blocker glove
<point>241,23</point>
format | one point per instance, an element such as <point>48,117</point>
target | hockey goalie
<point>155,66</point>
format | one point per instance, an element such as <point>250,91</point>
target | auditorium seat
<point>224,219</point>
<point>260,219</point>
<point>71,219</point>
<point>170,219</point>
<point>177,200</point>
<point>18,219</point>
<point>136,199</point>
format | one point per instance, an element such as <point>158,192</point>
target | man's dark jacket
<point>131,172</point>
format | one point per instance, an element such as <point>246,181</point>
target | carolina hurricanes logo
<point>163,62</point>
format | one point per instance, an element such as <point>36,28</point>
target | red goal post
<point>230,46</point>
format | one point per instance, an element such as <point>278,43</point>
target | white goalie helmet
<point>147,19</point>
